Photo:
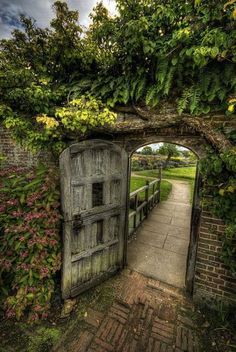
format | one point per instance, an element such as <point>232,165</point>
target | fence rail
<point>142,201</point>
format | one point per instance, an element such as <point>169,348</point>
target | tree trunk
<point>167,161</point>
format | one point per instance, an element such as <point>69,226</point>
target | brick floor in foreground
<point>146,316</point>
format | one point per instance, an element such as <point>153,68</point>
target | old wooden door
<point>94,198</point>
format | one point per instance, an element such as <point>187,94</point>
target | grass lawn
<point>186,173</point>
<point>138,182</point>
<point>180,173</point>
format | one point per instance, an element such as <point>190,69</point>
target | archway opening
<point>162,184</point>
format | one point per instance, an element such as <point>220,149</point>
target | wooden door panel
<point>102,231</point>
<point>115,160</point>
<point>105,257</point>
<point>94,186</point>
<point>79,195</point>
<point>115,194</point>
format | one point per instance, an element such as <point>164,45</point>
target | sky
<point>156,146</point>
<point>41,11</point>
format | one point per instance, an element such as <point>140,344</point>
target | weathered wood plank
<point>141,211</point>
<point>98,212</point>
<point>141,189</point>
<point>91,251</point>
<point>65,175</point>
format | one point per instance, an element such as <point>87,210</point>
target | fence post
<point>146,198</point>
<point>155,195</point>
<point>159,184</point>
<point>135,208</point>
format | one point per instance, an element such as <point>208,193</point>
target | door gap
<point>97,194</point>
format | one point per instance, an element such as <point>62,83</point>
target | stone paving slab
<point>157,218</point>
<point>150,260</point>
<point>165,229</point>
<point>176,244</point>
<point>152,238</point>
<point>146,316</point>
<point>183,222</point>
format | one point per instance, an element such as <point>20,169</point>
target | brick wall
<point>16,155</point>
<point>212,279</point>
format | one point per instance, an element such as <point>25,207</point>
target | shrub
<point>29,240</point>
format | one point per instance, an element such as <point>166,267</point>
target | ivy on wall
<point>30,249</point>
<point>219,172</point>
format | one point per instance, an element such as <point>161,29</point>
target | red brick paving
<point>145,317</point>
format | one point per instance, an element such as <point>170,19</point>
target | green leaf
<point>30,296</point>
<point>22,198</point>
<point>24,279</point>
<point>174,61</point>
<point>17,246</point>
<point>197,2</point>
<point>214,51</point>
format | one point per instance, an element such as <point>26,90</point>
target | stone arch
<point>132,142</point>
<point>198,152</point>
<point>196,144</point>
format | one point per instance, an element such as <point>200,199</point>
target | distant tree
<point>147,150</point>
<point>186,153</point>
<point>169,150</point>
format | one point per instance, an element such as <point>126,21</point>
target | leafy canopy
<point>147,150</point>
<point>37,69</point>
<point>169,150</point>
<point>154,51</point>
<point>149,52</point>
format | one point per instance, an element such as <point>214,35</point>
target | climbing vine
<point>29,240</point>
<point>219,172</point>
<point>79,115</point>
<point>159,52</point>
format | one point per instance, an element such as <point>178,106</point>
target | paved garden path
<point>160,247</point>
<point>145,316</point>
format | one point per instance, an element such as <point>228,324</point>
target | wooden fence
<point>142,201</point>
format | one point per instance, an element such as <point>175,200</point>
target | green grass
<point>166,188</point>
<point>180,173</point>
<point>183,173</point>
<point>138,182</point>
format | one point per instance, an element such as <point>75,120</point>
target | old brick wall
<point>213,281</point>
<point>17,155</point>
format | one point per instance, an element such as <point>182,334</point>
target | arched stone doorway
<point>141,133</point>
<point>172,223</point>
<point>93,163</point>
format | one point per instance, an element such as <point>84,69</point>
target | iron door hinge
<point>196,215</point>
